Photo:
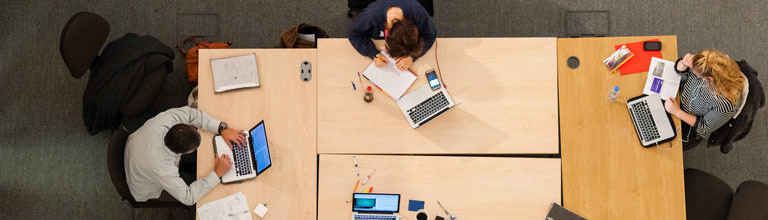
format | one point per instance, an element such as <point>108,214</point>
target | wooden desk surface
<point>506,87</point>
<point>607,174</point>
<point>287,106</point>
<point>469,187</point>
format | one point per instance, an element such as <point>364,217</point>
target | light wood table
<point>469,187</point>
<point>607,174</point>
<point>287,106</point>
<point>506,89</point>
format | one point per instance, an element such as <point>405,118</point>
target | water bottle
<point>614,94</point>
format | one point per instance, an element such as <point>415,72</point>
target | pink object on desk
<point>642,59</point>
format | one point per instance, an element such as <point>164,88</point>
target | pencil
<point>355,190</point>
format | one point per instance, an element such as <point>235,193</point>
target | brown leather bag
<point>192,55</point>
<point>289,38</point>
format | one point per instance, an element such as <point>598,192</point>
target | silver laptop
<point>247,161</point>
<point>652,123</point>
<point>424,104</point>
<point>370,206</point>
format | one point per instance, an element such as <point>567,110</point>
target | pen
<point>357,171</point>
<point>369,176</point>
<point>361,79</point>
<point>353,86</point>
<point>238,213</point>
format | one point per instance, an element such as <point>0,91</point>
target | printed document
<point>233,207</point>
<point>235,73</point>
<point>662,79</point>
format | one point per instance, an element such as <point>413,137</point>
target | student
<point>153,155</point>
<point>405,25</point>
<point>711,93</point>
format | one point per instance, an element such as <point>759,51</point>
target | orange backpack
<point>192,54</point>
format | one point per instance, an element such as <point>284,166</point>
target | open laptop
<point>247,161</point>
<point>652,122</point>
<point>424,104</point>
<point>375,206</point>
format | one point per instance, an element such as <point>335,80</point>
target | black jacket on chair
<point>738,128</point>
<point>116,76</point>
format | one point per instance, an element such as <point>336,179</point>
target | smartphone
<point>652,45</point>
<point>434,82</point>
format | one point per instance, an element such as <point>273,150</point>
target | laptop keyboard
<point>428,107</point>
<point>374,217</point>
<point>242,162</point>
<point>644,121</point>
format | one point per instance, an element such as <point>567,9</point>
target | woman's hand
<point>686,63</point>
<point>380,61</point>
<point>404,63</point>
<point>672,106</point>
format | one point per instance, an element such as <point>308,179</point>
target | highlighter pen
<point>369,176</point>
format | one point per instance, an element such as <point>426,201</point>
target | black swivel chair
<point>80,43</point>
<point>115,156</point>
<point>708,197</point>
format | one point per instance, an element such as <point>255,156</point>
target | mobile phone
<point>434,82</point>
<point>652,45</point>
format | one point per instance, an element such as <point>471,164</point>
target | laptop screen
<point>260,148</point>
<point>371,202</point>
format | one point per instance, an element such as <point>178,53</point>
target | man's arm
<point>188,195</point>
<point>358,35</point>
<point>194,117</point>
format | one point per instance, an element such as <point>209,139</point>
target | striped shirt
<point>711,110</point>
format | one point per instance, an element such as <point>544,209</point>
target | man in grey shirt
<point>153,152</point>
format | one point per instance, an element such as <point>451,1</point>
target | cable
<point>439,72</point>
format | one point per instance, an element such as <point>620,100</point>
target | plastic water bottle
<point>614,94</point>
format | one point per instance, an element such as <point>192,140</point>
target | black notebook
<point>557,212</point>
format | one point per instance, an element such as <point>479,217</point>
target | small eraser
<point>260,210</point>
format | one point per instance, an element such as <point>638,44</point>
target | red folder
<point>642,59</point>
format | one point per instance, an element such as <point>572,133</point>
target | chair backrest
<point>115,156</point>
<point>81,40</point>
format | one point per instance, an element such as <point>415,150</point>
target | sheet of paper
<point>233,207</point>
<point>390,79</point>
<point>235,72</point>
<point>306,37</point>
<point>662,79</point>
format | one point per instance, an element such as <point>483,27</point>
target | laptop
<point>375,206</point>
<point>247,161</point>
<point>424,104</point>
<point>652,122</point>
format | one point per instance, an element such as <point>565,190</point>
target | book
<point>662,79</point>
<point>618,58</point>
<point>390,79</point>
<point>557,212</point>
<point>235,73</point>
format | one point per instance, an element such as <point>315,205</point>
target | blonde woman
<point>711,93</point>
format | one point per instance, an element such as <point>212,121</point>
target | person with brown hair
<point>711,92</point>
<point>405,25</point>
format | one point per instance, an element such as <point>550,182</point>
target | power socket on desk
<point>306,71</point>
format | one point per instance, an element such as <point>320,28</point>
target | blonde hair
<point>725,78</point>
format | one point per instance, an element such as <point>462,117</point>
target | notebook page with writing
<point>390,79</point>
<point>235,72</point>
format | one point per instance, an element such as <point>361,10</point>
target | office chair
<point>116,166</point>
<point>709,197</point>
<point>80,43</point>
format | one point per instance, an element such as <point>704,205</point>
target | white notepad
<point>390,79</point>
<point>235,73</point>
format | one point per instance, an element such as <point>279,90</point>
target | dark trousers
<point>689,136</point>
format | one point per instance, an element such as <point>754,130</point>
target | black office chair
<point>80,43</point>
<point>116,166</point>
<point>708,197</point>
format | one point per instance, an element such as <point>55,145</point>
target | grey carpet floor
<point>52,169</point>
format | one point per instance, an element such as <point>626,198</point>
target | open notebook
<point>390,79</point>
<point>235,73</point>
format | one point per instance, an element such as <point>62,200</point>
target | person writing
<point>153,155</point>
<point>711,93</point>
<point>405,25</point>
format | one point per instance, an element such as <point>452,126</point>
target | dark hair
<point>182,138</point>
<point>404,40</point>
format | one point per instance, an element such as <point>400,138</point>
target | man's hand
<point>404,63</point>
<point>672,106</point>
<point>380,60</point>
<point>686,63</point>
<point>232,135</point>
<point>222,165</point>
